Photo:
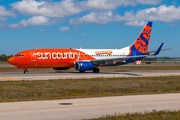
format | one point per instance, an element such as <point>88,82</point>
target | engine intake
<point>83,66</point>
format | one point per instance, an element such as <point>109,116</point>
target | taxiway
<point>77,75</point>
<point>84,108</point>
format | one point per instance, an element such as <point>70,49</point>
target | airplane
<point>85,59</point>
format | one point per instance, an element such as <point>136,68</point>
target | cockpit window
<point>20,55</point>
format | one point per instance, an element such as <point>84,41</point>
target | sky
<point>90,24</point>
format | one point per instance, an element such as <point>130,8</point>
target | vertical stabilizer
<point>142,42</point>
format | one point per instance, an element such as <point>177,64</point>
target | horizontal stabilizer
<point>145,53</point>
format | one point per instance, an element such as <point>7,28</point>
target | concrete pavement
<point>75,109</point>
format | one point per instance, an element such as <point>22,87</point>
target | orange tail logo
<point>142,42</point>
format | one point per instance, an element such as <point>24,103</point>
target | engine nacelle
<point>83,66</point>
<point>61,68</point>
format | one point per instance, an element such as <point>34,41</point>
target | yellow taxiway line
<point>146,75</point>
<point>8,78</point>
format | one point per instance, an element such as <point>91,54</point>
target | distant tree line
<point>4,57</point>
<point>154,58</point>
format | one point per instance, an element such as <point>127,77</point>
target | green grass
<point>3,62</point>
<point>95,87</point>
<point>154,115</point>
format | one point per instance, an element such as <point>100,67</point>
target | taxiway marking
<point>8,78</point>
<point>147,75</point>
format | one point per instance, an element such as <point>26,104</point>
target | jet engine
<point>83,66</point>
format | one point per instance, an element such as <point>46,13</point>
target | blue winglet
<point>159,49</point>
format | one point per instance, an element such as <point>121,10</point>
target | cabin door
<point>33,56</point>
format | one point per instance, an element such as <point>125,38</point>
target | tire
<point>96,70</point>
<point>26,71</point>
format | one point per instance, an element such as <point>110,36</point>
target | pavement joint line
<point>147,75</point>
<point>7,78</point>
<point>171,100</point>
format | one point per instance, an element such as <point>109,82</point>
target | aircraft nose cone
<point>11,60</point>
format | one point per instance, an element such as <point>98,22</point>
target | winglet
<point>158,50</point>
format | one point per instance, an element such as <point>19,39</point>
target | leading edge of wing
<point>122,59</point>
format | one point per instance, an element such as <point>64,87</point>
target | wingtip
<point>159,49</point>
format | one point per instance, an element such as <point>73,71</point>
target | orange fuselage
<point>44,58</point>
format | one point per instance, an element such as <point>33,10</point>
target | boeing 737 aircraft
<point>85,59</point>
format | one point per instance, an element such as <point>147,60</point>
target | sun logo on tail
<point>142,42</point>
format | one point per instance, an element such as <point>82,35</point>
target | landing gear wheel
<point>96,70</point>
<point>26,71</point>
<point>82,71</point>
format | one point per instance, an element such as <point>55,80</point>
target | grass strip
<point>3,62</point>
<point>154,115</point>
<point>78,88</point>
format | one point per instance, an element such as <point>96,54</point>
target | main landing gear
<point>82,71</point>
<point>26,71</point>
<point>96,70</point>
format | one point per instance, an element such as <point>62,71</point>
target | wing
<point>123,59</point>
<point>114,60</point>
